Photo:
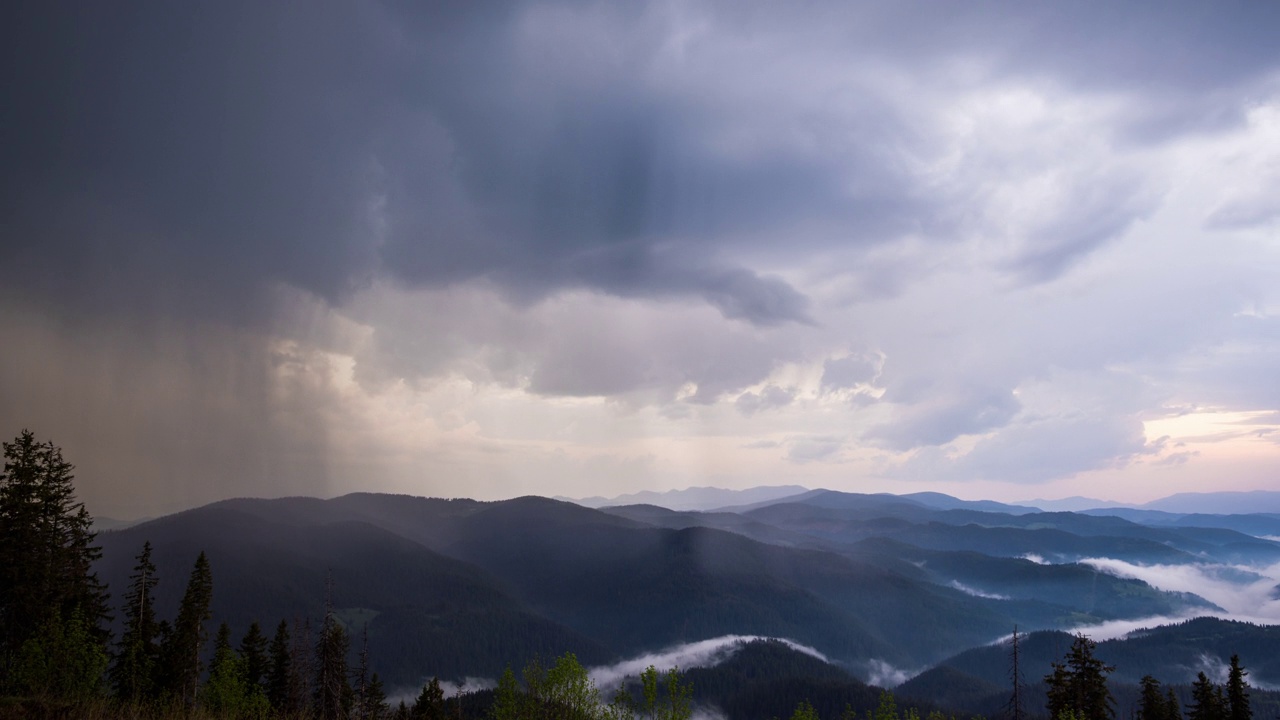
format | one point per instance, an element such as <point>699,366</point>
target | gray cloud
<point>1041,449</point>
<point>944,416</point>
<point>815,448</point>
<point>742,173</point>
<point>539,145</point>
<point>771,396</point>
<point>848,371</point>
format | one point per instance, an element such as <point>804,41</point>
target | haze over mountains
<point>708,498</point>
<point>884,587</point>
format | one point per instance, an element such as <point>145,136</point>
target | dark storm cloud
<point>200,151</point>
<point>184,154</point>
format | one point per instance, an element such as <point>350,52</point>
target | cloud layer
<point>537,246</point>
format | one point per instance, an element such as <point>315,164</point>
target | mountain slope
<point>430,614</point>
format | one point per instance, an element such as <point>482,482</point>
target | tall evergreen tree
<point>300,666</point>
<point>132,673</point>
<point>253,651</point>
<point>1015,710</point>
<point>1207,700</point>
<point>332,691</point>
<point>46,550</point>
<point>375,705</point>
<point>1238,692</point>
<point>430,702</point>
<point>506,703</point>
<point>224,691</point>
<point>280,670</point>
<point>185,644</point>
<point>1172,709</point>
<point>362,675</point>
<point>1079,686</point>
<point>1151,703</point>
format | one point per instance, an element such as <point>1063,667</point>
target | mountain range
<point>884,586</point>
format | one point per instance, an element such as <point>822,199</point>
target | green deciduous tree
<point>506,700</point>
<point>804,711</point>
<point>677,702</point>
<point>227,692</point>
<point>63,659</point>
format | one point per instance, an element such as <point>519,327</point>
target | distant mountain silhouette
<point>694,498</point>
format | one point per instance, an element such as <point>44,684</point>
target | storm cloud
<point>256,248</point>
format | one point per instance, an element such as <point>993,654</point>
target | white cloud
<point>1245,593</point>
<point>703,653</point>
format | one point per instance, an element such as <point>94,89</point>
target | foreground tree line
<point>57,657</point>
<point>1077,690</point>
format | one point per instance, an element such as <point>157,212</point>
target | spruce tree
<point>1079,686</point>
<point>224,692</point>
<point>1238,692</point>
<point>300,666</point>
<point>280,670</point>
<point>253,651</point>
<point>1015,710</point>
<point>1151,704</point>
<point>430,702</point>
<point>332,691</point>
<point>46,550</point>
<point>132,673</point>
<point>186,642</point>
<point>1207,700</point>
<point>1172,709</point>
<point>375,700</point>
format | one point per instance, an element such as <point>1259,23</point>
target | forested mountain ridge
<point>611,583</point>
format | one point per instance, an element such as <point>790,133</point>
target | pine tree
<point>280,670</point>
<point>132,674</point>
<point>1238,692</point>
<point>46,550</point>
<point>186,642</point>
<point>1152,704</point>
<point>332,693</point>
<point>223,693</point>
<point>1172,709</point>
<point>300,666</point>
<point>375,700</point>
<point>253,651</point>
<point>1079,686</point>
<point>1015,710</point>
<point>362,675</point>
<point>430,702</point>
<point>1207,700</point>
<point>506,703</point>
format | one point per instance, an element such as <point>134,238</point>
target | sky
<point>998,250</point>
